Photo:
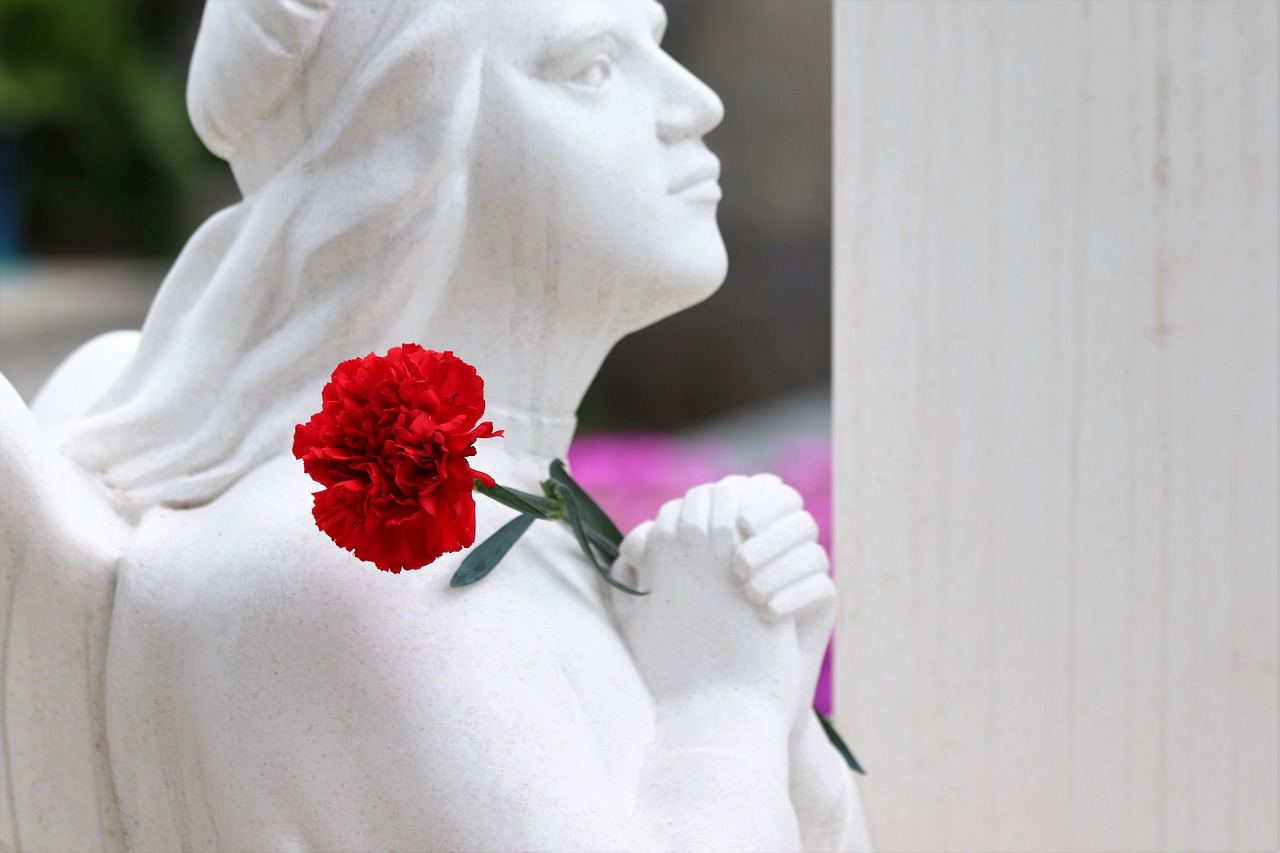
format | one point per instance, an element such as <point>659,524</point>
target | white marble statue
<point>190,664</point>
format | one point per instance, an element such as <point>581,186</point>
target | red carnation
<point>390,446</point>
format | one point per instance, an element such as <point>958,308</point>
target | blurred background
<point>102,179</point>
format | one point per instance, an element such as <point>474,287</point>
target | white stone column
<point>1056,422</point>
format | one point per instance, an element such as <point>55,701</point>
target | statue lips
<point>700,184</point>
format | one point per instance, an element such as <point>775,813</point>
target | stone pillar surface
<point>1056,422</point>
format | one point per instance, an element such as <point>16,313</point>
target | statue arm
<point>822,788</point>
<point>59,543</point>
<point>784,573</point>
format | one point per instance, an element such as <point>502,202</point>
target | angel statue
<point>189,664</point>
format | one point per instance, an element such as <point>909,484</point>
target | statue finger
<point>695,515</point>
<point>625,572</point>
<point>767,501</point>
<point>792,531</point>
<point>812,592</point>
<point>669,515</point>
<point>632,549</point>
<point>791,568</point>
<point>726,498</point>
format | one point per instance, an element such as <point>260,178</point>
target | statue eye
<point>594,75</point>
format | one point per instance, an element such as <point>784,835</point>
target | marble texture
<point>190,664</point>
<point>1056,410</point>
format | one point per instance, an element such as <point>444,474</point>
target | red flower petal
<point>390,445</point>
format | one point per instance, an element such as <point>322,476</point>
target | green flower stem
<point>574,512</point>
<point>544,507</point>
<point>592,515</point>
<point>561,498</point>
<point>602,544</point>
<point>839,744</point>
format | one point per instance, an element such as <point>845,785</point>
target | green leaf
<point>592,515</point>
<point>485,556</point>
<point>536,505</point>
<point>602,544</point>
<point>838,743</point>
<point>575,521</point>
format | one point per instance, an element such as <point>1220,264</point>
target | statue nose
<point>691,108</point>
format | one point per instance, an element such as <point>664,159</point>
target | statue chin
<point>695,279</point>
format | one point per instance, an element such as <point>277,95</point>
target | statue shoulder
<point>83,377</point>
<point>60,539</point>
<point>252,563</point>
<point>348,690</point>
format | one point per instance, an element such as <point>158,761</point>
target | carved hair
<point>275,39</point>
<point>346,186</point>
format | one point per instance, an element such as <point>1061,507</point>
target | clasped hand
<point>740,593</point>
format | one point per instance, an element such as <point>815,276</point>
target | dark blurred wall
<point>767,331</point>
<point>100,157</point>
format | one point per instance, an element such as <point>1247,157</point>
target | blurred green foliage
<point>95,110</point>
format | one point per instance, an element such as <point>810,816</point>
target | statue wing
<point>60,542</point>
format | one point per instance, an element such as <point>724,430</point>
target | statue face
<point>589,151</point>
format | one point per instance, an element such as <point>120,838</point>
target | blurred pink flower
<point>631,475</point>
